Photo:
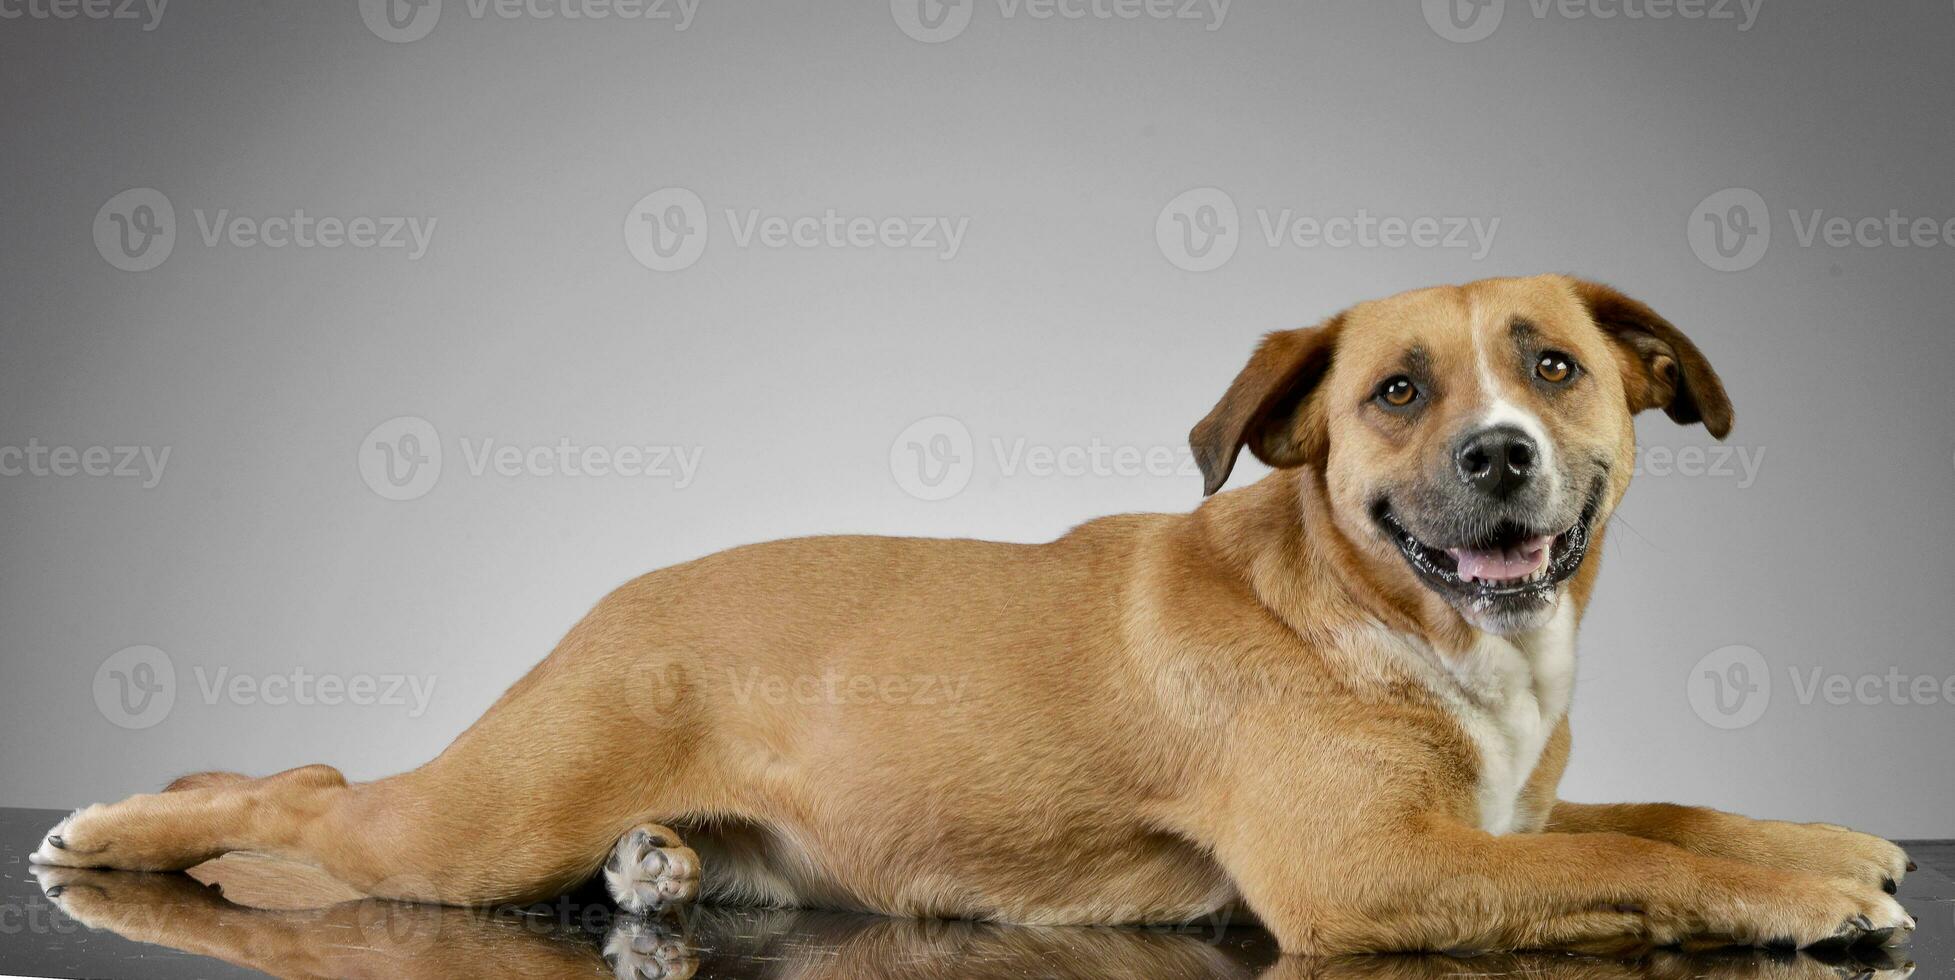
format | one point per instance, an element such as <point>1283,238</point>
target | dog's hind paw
<point>650,871</point>
<point>640,950</point>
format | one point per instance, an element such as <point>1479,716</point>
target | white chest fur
<point>1508,694</point>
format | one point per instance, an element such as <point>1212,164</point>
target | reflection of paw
<point>1867,964</point>
<point>1862,964</point>
<point>650,871</point>
<point>107,899</point>
<point>69,890</point>
<point>640,950</point>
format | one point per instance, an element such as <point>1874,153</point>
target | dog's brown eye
<point>1555,368</point>
<point>1398,392</point>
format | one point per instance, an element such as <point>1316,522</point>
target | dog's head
<point>1471,437</point>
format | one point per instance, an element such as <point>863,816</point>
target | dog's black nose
<point>1497,461</point>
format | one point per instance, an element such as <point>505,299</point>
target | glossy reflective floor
<point>256,917</point>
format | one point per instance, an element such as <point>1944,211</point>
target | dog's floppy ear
<point>1661,368</point>
<point>1264,405</point>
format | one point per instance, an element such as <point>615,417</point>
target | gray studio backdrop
<point>352,350</point>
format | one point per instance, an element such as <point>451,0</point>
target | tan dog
<point>1336,696</point>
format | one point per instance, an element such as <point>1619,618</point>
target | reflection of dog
<point>375,937</point>
<point>1336,695</point>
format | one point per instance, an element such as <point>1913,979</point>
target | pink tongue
<point>1498,564</point>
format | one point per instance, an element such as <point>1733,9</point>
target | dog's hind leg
<point>501,816</point>
<point>195,820</point>
<point>452,832</point>
<point>599,738</point>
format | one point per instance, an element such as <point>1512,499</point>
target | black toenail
<point>1862,922</point>
<point>1910,865</point>
<point>55,892</point>
<point>1889,887</point>
<point>56,840</point>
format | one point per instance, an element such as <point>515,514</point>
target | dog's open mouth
<point>1512,561</point>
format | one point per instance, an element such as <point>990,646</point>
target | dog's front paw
<point>107,836</point>
<point>61,847</point>
<point>1802,912</point>
<point>1823,849</point>
<point>1843,853</point>
<point>157,832</point>
<point>641,950</point>
<point>650,871</point>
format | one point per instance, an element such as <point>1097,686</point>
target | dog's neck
<point>1279,537</point>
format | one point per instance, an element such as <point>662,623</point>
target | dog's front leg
<point>1426,882</point>
<point>1822,849</point>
